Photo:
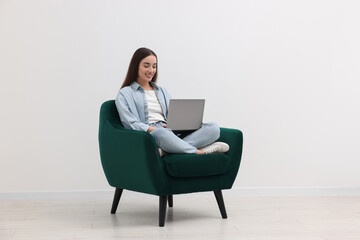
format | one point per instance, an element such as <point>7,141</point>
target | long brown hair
<point>133,70</point>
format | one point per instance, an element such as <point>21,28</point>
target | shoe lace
<point>212,150</point>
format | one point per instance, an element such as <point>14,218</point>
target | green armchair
<point>131,161</point>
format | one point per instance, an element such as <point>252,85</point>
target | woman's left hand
<point>164,125</point>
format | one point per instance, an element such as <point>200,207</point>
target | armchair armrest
<point>234,138</point>
<point>130,159</point>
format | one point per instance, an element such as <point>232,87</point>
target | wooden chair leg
<point>117,195</point>
<point>162,210</point>
<point>220,201</point>
<point>170,200</point>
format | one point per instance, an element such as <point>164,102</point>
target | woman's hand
<point>164,126</point>
<point>150,129</point>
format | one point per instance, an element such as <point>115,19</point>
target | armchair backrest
<point>109,112</point>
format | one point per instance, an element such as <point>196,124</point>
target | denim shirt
<point>132,105</point>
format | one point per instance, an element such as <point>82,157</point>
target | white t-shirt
<point>154,108</point>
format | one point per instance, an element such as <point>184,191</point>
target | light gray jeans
<point>170,142</point>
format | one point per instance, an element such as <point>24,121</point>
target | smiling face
<point>147,70</point>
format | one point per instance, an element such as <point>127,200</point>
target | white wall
<point>284,72</point>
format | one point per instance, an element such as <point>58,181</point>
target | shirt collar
<point>135,86</point>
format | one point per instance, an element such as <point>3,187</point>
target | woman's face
<point>147,69</point>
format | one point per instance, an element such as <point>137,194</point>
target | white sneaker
<point>216,147</point>
<point>161,152</point>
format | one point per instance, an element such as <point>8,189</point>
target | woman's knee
<point>160,132</point>
<point>213,129</point>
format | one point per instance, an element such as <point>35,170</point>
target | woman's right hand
<point>150,129</point>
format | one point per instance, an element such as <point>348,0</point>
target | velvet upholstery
<point>195,165</point>
<point>131,161</point>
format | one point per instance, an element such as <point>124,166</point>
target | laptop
<point>185,114</point>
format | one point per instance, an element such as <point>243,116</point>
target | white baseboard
<point>57,195</point>
<point>236,191</point>
<point>283,191</point>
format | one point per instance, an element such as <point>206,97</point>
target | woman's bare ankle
<point>200,152</point>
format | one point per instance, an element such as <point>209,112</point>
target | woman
<point>142,105</point>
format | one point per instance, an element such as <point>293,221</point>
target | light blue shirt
<point>132,105</point>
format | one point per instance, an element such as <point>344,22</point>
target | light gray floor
<point>194,216</point>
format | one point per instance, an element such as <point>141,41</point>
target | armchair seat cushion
<point>196,165</point>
